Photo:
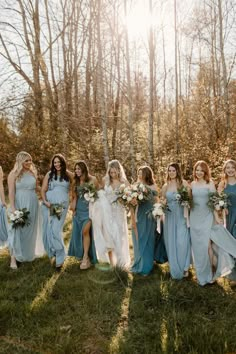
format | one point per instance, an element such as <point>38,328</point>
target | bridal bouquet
<point>218,201</point>
<point>19,218</point>
<point>88,191</point>
<point>57,210</point>
<point>133,195</point>
<point>183,198</point>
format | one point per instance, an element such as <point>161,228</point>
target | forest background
<point>142,81</point>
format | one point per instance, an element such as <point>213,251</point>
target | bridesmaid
<point>176,232</point>
<point>55,190</point>
<point>213,246</point>
<point>82,242</point>
<point>144,229</point>
<point>115,176</point>
<point>22,182</point>
<point>3,217</point>
<point>228,186</point>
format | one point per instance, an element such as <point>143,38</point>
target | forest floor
<point>103,311</point>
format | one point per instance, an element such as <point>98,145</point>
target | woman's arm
<point>44,189</point>
<point>11,188</point>
<point>2,195</point>
<point>221,187</point>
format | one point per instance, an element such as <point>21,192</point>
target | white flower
<point>86,197</point>
<point>124,196</point>
<point>122,187</point>
<point>140,197</point>
<point>177,196</point>
<point>221,203</point>
<point>134,195</point>
<point>13,217</point>
<point>129,199</point>
<point>217,207</point>
<point>135,188</point>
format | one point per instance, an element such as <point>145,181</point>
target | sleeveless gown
<point>3,226</point>
<point>144,244</point>
<point>231,217</point>
<point>57,193</point>
<point>26,243</point>
<point>177,237</point>
<point>80,219</point>
<point>119,228</point>
<point>203,230</point>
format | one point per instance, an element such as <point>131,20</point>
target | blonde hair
<point>224,176</point>
<point>21,157</point>
<point>119,168</point>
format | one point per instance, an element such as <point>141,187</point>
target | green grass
<point>97,311</point>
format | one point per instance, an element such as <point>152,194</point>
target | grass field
<point>97,311</point>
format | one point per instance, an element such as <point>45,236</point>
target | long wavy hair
<point>224,176</point>
<point>204,166</point>
<point>18,168</point>
<point>147,175</point>
<point>85,172</point>
<point>179,178</point>
<point>119,169</point>
<point>53,172</point>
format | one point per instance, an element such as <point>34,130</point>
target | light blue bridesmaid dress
<point>231,217</point>
<point>22,241</point>
<point>57,193</point>
<point>80,219</point>
<point>203,230</point>
<point>177,237</point>
<point>144,244</point>
<point>3,226</point>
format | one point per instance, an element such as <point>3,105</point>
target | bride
<point>110,219</point>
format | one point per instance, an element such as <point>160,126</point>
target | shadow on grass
<point>168,316</point>
<point>71,312</point>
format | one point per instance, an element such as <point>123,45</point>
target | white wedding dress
<point>110,228</point>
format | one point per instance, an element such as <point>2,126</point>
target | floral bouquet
<point>88,191</point>
<point>218,201</point>
<point>159,209</point>
<point>183,198</point>
<point>57,210</point>
<point>20,218</point>
<point>131,196</point>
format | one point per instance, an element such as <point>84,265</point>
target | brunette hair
<point>179,177</point>
<point>53,172</point>
<point>204,166</point>
<point>85,171</point>
<point>147,175</point>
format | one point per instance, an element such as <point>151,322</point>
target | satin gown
<point>3,226</point>
<point>80,219</point>
<point>25,243</point>
<point>231,217</point>
<point>203,230</point>
<point>144,242</point>
<point>57,193</point>
<point>177,237</point>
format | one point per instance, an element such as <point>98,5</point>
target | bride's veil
<point>117,165</point>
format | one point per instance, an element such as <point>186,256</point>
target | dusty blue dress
<point>144,244</point>
<point>22,241</point>
<point>177,237</point>
<point>58,193</point>
<point>160,255</point>
<point>3,226</point>
<point>202,231</point>
<point>231,217</point>
<point>80,219</point>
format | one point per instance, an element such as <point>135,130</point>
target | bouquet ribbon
<point>186,215</point>
<point>159,224</point>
